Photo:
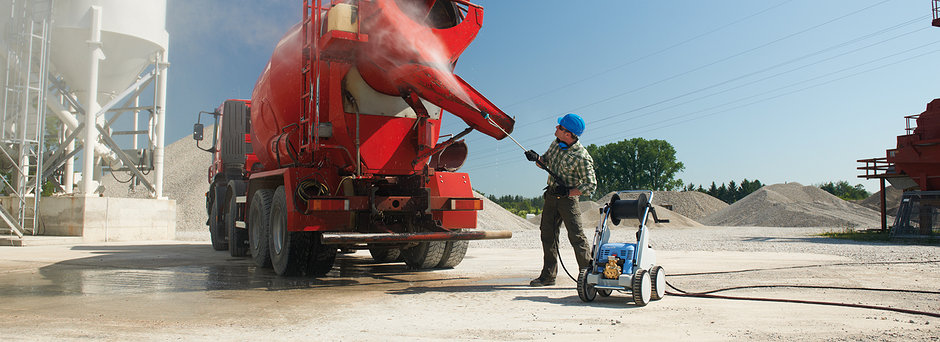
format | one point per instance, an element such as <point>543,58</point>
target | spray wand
<point>537,162</point>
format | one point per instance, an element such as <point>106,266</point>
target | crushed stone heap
<point>892,200</point>
<point>185,180</point>
<point>691,204</point>
<point>681,202</point>
<point>793,205</point>
<point>494,217</point>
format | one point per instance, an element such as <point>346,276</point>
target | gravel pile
<point>793,205</point>
<point>591,216</point>
<point>690,204</point>
<point>185,180</point>
<point>494,217</point>
<point>682,203</point>
<point>892,200</point>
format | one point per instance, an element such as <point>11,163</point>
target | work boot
<point>539,282</point>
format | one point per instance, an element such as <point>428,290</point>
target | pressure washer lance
<point>557,180</point>
<point>550,173</point>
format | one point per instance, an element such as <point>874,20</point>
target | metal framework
<point>22,112</point>
<point>137,161</point>
<point>918,215</point>
<point>936,13</point>
<point>34,154</point>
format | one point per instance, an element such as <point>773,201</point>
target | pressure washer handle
<point>531,155</point>
<point>656,218</point>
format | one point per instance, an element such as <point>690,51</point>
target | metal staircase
<point>25,50</point>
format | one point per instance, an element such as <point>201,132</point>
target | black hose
<point>708,294</point>
<point>558,254</point>
<point>808,266</point>
<point>683,293</point>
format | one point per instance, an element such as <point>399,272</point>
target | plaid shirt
<point>575,166</point>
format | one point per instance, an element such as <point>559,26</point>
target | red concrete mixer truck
<point>340,145</point>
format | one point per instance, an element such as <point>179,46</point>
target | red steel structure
<point>915,163</point>
<point>345,127</point>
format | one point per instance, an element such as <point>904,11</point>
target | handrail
<point>877,168</point>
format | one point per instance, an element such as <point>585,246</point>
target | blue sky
<point>779,91</point>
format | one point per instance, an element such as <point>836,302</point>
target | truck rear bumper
<point>351,238</point>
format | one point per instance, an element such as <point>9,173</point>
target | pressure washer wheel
<point>605,292</point>
<point>585,291</point>
<point>642,287</point>
<point>659,282</point>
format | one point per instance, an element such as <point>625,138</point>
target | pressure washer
<point>625,267</point>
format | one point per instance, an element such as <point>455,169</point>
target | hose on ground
<point>709,294</point>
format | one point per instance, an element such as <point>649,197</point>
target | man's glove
<point>531,155</point>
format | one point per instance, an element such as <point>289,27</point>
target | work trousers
<point>558,209</point>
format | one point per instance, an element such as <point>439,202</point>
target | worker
<point>571,174</point>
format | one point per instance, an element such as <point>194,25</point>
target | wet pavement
<point>187,291</point>
<point>147,269</point>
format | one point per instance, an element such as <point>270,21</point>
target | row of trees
<point>519,205</point>
<point>729,193</point>
<point>843,190</point>
<point>651,164</point>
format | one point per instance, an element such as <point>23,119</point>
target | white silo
<point>107,61</point>
<point>100,48</point>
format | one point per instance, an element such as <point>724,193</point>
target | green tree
<point>731,192</point>
<point>635,164</point>
<point>843,190</point>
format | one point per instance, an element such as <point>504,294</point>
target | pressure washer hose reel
<point>625,267</point>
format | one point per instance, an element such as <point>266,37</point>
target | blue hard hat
<point>573,123</point>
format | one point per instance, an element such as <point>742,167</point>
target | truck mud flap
<point>350,238</point>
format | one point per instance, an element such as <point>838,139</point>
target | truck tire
<point>454,252</point>
<point>259,214</point>
<point>237,237</point>
<point>290,251</point>
<point>385,254</point>
<point>232,146</point>
<point>424,255</point>
<point>322,256</point>
<point>217,232</point>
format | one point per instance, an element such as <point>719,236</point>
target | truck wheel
<point>425,254</point>
<point>321,257</point>
<point>237,237</point>
<point>216,229</point>
<point>259,214</point>
<point>383,255</point>
<point>290,251</point>
<point>454,251</point>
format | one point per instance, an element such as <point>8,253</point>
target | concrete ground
<point>186,291</point>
